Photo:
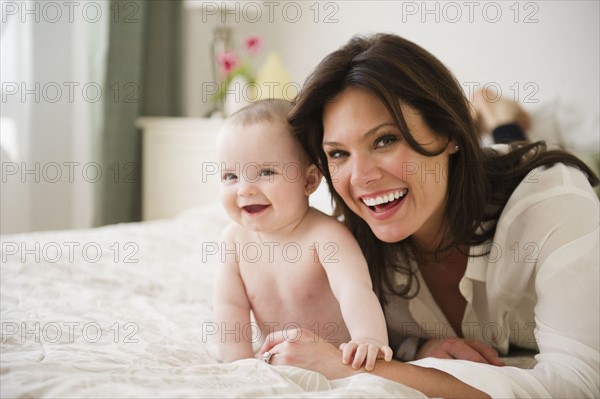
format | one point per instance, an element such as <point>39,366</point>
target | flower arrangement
<point>231,65</point>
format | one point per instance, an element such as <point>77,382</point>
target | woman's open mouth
<point>383,203</point>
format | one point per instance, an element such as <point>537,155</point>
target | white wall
<point>556,56</point>
<point>534,51</point>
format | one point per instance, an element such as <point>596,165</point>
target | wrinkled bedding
<point>122,311</point>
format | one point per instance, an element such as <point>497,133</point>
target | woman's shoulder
<point>548,182</point>
<point>553,179</point>
<point>549,199</point>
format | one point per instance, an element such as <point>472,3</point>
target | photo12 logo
<point>251,332</point>
<point>52,12</point>
<point>71,172</point>
<point>470,11</point>
<point>69,92</point>
<point>269,252</point>
<point>68,332</point>
<point>68,252</point>
<point>270,11</point>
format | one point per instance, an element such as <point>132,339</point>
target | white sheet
<point>150,293</point>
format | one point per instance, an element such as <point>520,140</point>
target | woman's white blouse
<point>538,288</point>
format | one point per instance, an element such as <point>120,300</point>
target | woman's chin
<point>389,234</point>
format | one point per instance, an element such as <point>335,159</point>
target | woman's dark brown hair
<point>396,70</point>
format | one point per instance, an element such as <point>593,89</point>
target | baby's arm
<point>350,282</point>
<point>231,306</point>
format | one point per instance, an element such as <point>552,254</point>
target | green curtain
<point>142,78</point>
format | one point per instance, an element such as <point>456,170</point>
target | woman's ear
<point>452,148</point>
<point>312,180</point>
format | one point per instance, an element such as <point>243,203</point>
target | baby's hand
<point>365,351</point>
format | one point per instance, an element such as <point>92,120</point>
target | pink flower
<point>253,44</point>
<point>227,61</point>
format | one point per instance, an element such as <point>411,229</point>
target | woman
<point>467,248</point>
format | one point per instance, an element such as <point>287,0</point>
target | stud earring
<point>456,148</point>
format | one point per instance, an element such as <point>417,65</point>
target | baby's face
<point>263,176</point>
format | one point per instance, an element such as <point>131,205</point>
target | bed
<point>125,311</point>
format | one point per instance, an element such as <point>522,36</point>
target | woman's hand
<point>302,348</point>
<point>458,348</point>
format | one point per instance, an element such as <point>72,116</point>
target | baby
<point>287,263</point>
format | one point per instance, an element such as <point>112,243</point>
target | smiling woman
<point>363,142</point>
<point>444,224</point>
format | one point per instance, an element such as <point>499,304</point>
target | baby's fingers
<point>347,351</point>
<point>373,352</point>
<point>359,356</point>
<point>387,352</point>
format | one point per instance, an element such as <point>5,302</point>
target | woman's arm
<point>301,348</point>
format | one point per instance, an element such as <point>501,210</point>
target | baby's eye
<point>386,140</point>
<point>228,177</point>
<point>337,154</point>
<point>267,172</point>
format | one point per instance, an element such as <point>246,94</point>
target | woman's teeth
<point>383,199</point>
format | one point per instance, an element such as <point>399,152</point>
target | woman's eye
<point>228,177</point>
<point>386,140</point>
<point>336,154</point>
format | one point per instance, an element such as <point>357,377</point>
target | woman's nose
<point>364,171</point>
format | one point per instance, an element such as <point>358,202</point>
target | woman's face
<point>396,190</point>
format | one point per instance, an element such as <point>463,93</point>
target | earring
<point>456,148</point>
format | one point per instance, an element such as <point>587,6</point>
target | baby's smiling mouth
<point>381,203</point>
<point>254,208</point>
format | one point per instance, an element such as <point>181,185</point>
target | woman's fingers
<point>460,350</point>
<point>456,348</point>
<point>278,337</point>
<point>487,352</point>
<point>433,348</point>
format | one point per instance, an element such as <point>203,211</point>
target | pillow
<point>580,132</point>
<point>579,128</point>
<point>544,125</point>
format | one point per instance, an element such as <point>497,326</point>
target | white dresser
<point>179,170</point>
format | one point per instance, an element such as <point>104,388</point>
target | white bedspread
<point>121,311</point>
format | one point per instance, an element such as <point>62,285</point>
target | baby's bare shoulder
<point>320,223</point>
<point>234,232</point>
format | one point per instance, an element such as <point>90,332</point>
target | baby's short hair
<point>267,110</point>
